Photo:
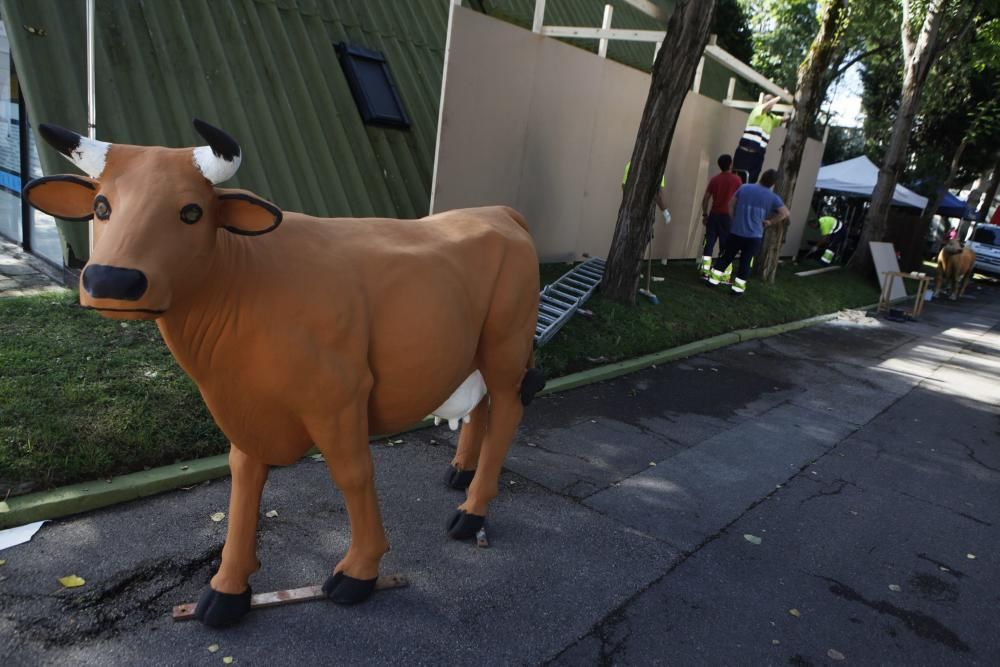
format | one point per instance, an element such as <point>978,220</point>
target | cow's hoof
<point>343,589</point>
<point>463,526</point>
<point>455,478</point>
<point>220,610</point>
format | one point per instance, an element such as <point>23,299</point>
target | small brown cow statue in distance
<point>955,266</point>
<point>302,331</point>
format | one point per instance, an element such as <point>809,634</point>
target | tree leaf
<point>228,660</point>
<point>71,581</point>
<point>218,516</point>
<point>752,539</point>
<point>834,654</point>
<point>213,648</point>
<point>271,514</point>
<point>795,612</point>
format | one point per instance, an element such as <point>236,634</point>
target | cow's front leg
<point>228,597</point>
<point>349,459</point>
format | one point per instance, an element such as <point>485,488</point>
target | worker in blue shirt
<point>754,207</point>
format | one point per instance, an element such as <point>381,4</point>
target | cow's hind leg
<point>345,447</point>
<point>470,441</point>
<point>228,597</point>
<point>503,368</point>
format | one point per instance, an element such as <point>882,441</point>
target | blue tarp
<point>953,207</point>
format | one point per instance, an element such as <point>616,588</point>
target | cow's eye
<point>191,214</point>
<point>102,209</point>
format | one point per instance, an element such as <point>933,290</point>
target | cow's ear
<point>66,196</point>
<point>242,212</point>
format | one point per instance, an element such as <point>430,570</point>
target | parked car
<point>985,242</point>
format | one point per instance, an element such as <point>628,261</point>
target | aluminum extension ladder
<point>563,297</point>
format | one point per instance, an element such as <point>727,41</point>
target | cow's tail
<point>532,382</point>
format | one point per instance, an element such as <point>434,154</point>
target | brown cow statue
<point>302,331</point>
<point>955,265</point>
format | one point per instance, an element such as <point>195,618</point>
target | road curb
<point>87,496</point>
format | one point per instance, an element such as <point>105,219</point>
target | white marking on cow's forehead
<point>90,155</point>
<point>216,169</point>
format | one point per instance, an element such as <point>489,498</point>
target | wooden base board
<point>185,612</point>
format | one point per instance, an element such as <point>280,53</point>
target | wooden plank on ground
<point>813,272</point>
<point>185,612</point>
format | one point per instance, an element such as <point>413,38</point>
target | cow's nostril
<point>111,282</point>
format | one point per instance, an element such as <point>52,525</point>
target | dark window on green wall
<point>371,84</point>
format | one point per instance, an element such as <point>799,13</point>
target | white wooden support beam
<point>601,33</point>
<point>696,86</point>
<point>745,71</point>
<point>539,19</point>
<point>732,88</point>
<point>656,51</point>
<point>649,9</point>
<point>785,109</point>
<point>602,48</point>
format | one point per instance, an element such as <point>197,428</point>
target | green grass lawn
<point>83,397</point>
<point>689,310</point>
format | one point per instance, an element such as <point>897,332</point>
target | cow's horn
<point>221,158</point>
<point>87,154</point>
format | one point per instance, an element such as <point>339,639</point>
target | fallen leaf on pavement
<point>213,648</point>
<point>894,588</point>
<point>795,612</point>
<point>228,660</point>
<point>752,539</point>
<point>971,556</point>
<point>775,641</point>
<point>271,514</point>
<point>218,516</point>
<point>317,457</point>
<point>835,654</point>
<point>652,463</point>
<point>2,562</point>
<point>943,568</point>
<point>71,581</point>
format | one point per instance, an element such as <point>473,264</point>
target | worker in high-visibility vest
<point>753,208</point>
<point>661,198</point>
<point>832,234</point>
<point>749,157</point>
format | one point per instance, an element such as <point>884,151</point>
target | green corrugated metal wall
<point>266,71</point>
<point>587,13</point>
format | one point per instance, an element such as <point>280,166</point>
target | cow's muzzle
<point>112,282</point>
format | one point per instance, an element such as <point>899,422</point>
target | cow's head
<point>157,215</point>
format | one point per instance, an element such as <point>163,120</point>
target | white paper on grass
<point>14,536</point>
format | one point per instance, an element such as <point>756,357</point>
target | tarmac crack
<point>839,484</point>
<point>972,456</point>
<point>964,515</point>
<point>126,600</point>
<point>922,625</point>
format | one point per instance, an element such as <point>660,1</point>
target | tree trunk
<point>934,201</point>
<point>809,96</point>
<point>673,74</point>
<point>991,193</point>
<point>917,61</point>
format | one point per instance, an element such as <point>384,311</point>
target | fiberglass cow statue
<point>955,265</point>
<point>301,331</point>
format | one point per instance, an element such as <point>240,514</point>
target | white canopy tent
<point>857,178</point>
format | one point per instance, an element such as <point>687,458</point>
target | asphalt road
<point>822,497</point>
